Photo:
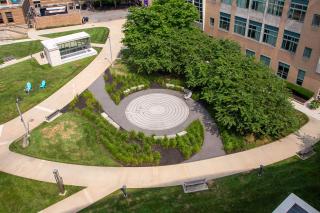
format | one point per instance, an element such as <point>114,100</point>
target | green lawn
<point>19,194</point>
<point>20,50</point>
<point>98,34</point>
<point>237,193</point>
<point>71,139</point>
<point>14,78</point>
<point>83,136</point>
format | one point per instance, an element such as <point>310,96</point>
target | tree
<point>158,32</point>
<point>245,96</point>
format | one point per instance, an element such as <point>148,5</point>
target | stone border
<point>105,116</point>
<point>180,134</point>
<point>174,87</point>
<point>133,89</point>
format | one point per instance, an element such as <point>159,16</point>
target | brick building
<point>40,13</point>
<point>283,34</point>
<point>13,12</point>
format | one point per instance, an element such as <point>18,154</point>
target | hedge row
<point>302,92</point>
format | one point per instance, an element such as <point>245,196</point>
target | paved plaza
<point>157,111</point>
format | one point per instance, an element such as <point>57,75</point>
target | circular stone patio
<point>157,111</point>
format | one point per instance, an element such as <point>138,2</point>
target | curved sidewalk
<point>102,181</point>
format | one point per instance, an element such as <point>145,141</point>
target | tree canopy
<point>244,95</point>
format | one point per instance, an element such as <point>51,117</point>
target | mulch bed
<point>168,156</point>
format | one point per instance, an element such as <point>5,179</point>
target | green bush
<point>122,82</point>
<point>303,92</point>
<point>231,142</point>
<point>314,104</point>
<point>135,148</point>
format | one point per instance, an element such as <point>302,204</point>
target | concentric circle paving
<point>157,111</point>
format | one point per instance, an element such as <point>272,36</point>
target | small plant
<point>314,104</point>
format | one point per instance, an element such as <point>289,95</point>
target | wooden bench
<point>53,115</point>
<point>306,153</point>
<point>195,186</point>
<point>8,58</point>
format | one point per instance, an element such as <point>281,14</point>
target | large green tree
<point>244,95</point>
<point>156,36</point>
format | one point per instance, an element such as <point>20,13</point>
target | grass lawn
<point>70,139</point>
<point>19,194</point>
<point>20,50</point>
<point>83,136</point>
<point>14,78</point>
<point>237,193</point>
<point>98,34</point>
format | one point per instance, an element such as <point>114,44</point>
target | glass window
<point>300,77</point>
<point>254,30</point>
<point>198,5</point>
<point>9,17</point>
<point>283,70</point>
<point>226,1</point>
<point>1,19</point>
<point>316,20</point>
<point>290,41</point>
<point>307,52</point>
<point>224,21</point>
<point>240,25</point>
<point>250,53</point>
<point>265,60</point>
<point>270,35</point>
<point>258,5</point>
<point>211,22</point>
<point>72,47</point>
<point>243,3</point>
<point>275,7</point>
<point>298,9</point>
<point>296,209</point>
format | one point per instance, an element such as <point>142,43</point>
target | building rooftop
<point>52,44</point>
<point>11,4</point>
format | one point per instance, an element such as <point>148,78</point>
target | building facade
<point>283,34</point>
<point>13,12</point>
<point>68,48</point>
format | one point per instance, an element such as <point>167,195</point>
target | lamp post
<point>110,50</point>
<point>26,128</point>
<point>59,182</point>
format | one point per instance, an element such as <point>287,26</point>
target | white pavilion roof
<point>52,44</point>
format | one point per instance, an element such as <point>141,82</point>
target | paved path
<point>15,61</point>
<point>103,180</point>
<point>16,41</point>
<point>105,15</point>
<point>36,34</point>
<point>212,146</point>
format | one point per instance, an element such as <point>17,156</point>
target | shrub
<point>314,104</point>
<point>302,92</point>
<point>231,142</point>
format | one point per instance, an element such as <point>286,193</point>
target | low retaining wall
<point>60,20</point>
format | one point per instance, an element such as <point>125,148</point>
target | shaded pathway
<point>212,146</point>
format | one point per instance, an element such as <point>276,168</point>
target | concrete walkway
<point>16,41</point>
<point>101,181</point>
<point>15,61</point>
